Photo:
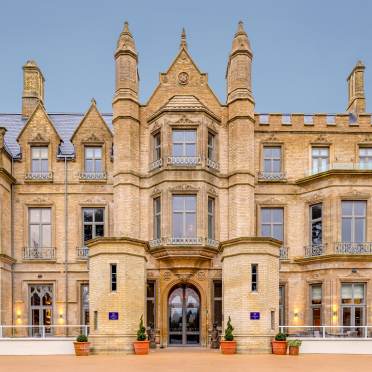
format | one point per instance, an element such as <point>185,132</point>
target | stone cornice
<point>4,173</point>
<point>333,172</point>
<point>252,239</point>
<point>7,259</point>
<point>333,257</point>
<point>123,239</point>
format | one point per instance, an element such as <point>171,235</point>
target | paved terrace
<point>187,360</point>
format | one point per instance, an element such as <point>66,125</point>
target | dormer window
<point>184,151</point>
<point>39,159</point>
<point>93,165</point>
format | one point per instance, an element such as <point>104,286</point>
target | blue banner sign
<point>113,315</point>
<point>255,315</point>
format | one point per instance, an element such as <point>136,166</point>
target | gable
<point>183,78</point>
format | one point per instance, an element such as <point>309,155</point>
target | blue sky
<point>303,50</point>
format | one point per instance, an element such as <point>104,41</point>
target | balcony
<point>340,167</point>
<point>315,250</point>
<point>283,253</point>
<point>184,161</point>
<point>156,164</point>
<point>213,164</point>
<point>183,241</point>
<point>92,176</point>
<point>39,253</point>
<point>353,248</point>
<point>272,176</point>
<point>39,176</point>
<point>82,253</point>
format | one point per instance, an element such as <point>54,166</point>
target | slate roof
<point>65,125</point>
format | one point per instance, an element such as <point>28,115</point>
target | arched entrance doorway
<point>184,315</point>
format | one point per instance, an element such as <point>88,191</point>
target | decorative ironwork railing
<point>82,252</point>
<point>97,176</point>
<point>184,241</point>
<point>186,161</point>
<point>39,176</point>
<point>353,248</point>
<point>156,164</point>
<point>283,253</point>
<point>272,176</point>
<point>315,250</point>
<point>213,164</point>
<point>341,166</point>
<point>39,253</point>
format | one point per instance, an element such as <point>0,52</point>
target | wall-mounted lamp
<point>61,316</point>
<point>334,314</point>
<point>296,314</point>
<point>18,316</point>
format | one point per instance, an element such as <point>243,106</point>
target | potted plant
<point>81,346</point>
<point>228,345</point>
<point>279,344</point>
<point>141,346</point>
<point>294,347</point>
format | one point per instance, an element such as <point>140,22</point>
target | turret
<point>355,81</point>
<point>33,88</point>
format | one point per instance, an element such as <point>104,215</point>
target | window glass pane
<point>88,232</point>
<point>98,214</point>
<point>316,294</point>
<point>89,153</point>
<point>190,203</point>
<point>99,230</point>
<point>316,233</point>
<point>276,166</point>
<point>359,230</point>
<point>346,293</point>
<point>35,166</point>
<point>276,152</point>
<point>190,149</point>
<point>45,215</point>
<point>359,208</point>
<point>35,236</point>
<point>98,165</point>
<point>316,211</point>
<point>177,225</point>
<point>178,136</point>
<point>34,215</point>
<point>177,149</point>
<point>277,215</point>
<point>278,232</point>
<point>265,215</point>
<point>98,152</point>
<point>265,230</point>
<point>44,166</point>
<point>347,207</point>
<point>47,238</point>
<point>358,293</point>
<point>190,136</point>
<point>89,167</point>
<point>35,152</point>
<point>267,165</point>
<point>178,203</point>
<point>44,152</point>
<point>88,215</point>
<point>346,229</point>
<point>190,225</point>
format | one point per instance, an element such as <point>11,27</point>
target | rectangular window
<point>211,218</point>
<point>157,146</point>
<point>157,218</point>
<point>84,300</point>
<point>113,277</point>
<point>365,157</point>
<point>41,309</point>
<point>353,309</point>
<point>272,159</point>
<point>353,221</point>
<point>40,231</point>
<point>95,320</point>
<point>272,222</point>
<point>93,159</point>
<point>316,225</point>
<point>93,223</point>
<point>39,159</point>
<point>281,305</point>
<point>184,216</point>
<point>272,313</point>
<point>150,301</point>
<point>184,142</point>
<point>319,159</point>
<point>254,277</point>
<point>211,146</point>
<point>316,304</point>
<point>217,303</point>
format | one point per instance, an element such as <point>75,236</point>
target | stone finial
<point>126,40</point>
<point>2,135</point>
<point>183,43</point>
<point>241,41</point>
<point>126,28</point>
<point>93,101</point>
<point>240,30</point>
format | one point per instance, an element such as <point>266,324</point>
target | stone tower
<point>33,88</point>
<point>127,128</point>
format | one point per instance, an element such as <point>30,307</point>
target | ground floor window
<point>353,308</point>
<point>281,305</point>
<point>316,304</point>
<point>41,309</point>
<point>150,301</point>
<point>217,303</point>
<point>84,300</point>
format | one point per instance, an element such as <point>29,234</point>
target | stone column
<point>115,315</point>
<point>240,302</point>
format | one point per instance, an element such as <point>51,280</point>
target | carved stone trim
<point>183,188</point>
<point>39,139</point>
<point>92,139</point>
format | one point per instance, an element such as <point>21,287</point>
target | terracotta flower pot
<point>228,347</point>
<point>141,347</point>
<point>81,348</point>
<point>279,347</point>
<point>294,350</point>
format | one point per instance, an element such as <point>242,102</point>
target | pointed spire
<point>93,101</point>
<point>126,28</point>
<point>241,41</point>
<point>183,43</point>
<point>126,41</point>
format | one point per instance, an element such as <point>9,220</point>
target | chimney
<point>33,88</point>
<point>357,100</point>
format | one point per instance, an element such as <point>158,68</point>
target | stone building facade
<point>185,210</point>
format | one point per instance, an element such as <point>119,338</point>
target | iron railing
<point>353,248</point>
<point>185,161</point>
<point>39,253</point>
<point>315,250</point>
<point>82,252</point>
<point>43,331</point>
<point>158,163</point>
<point>272,176</point>
<point>283,253</point>
<point>183,241</point>
<point>39,176</point>
<point>213,164</point>
<point>92,176</point>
